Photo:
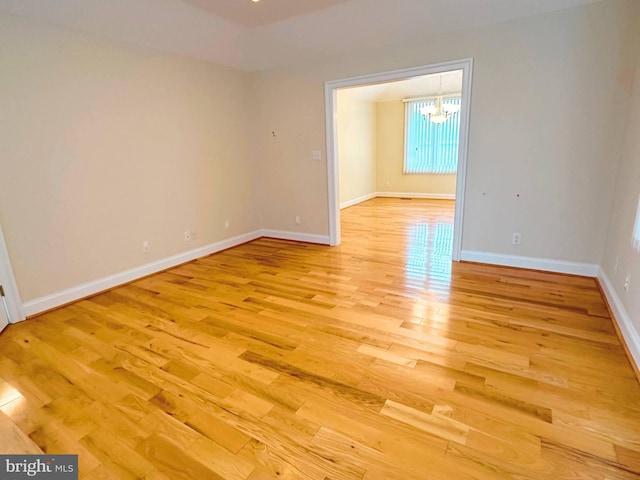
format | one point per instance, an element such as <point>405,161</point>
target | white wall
<point>619,247</point>
<point>539,158</point>
<point>356,146</point>
<point>390,158</point>
<point>105,145</point>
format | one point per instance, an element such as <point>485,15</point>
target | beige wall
<point>289,124</point>
<point>371,151</point>
<point>390,158</point>
<point>619,247</point>
<point>356,146</point>
<point>539,159</point>
<point>103,146</point>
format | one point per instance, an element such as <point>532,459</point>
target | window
<point>636,229</point>
<point>430,147</point>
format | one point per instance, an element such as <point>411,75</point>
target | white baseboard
<point>558,266</point>
<point>42,304</point>
<point>623,320</point>
<point>355,201</point>
<point>63,297</point>
<point>296,236</point>
<point>431,196</point>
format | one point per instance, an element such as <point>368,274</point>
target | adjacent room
<point>377,159</point>
<point>399,141</point>
<point>330,239</point>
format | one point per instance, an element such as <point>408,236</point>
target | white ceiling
<point>320,28</point>
<point>416,87</point>
<point>252,14</point>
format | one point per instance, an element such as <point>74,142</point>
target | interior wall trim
<point>355,201</point>
<point>622,321</point>
<point>430,196</point>
<point>7,279</point>
<point>296,236</point>
<point>369,196</point>
<point>63,297</point>
<point>73,294</point>
<point>545,264</point>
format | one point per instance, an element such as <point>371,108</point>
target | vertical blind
<point>636,229</point>
<point>430,147</point>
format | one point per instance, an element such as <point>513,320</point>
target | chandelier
<point>439,112</point>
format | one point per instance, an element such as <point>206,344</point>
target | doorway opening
<point>378,82</point>
<point>10,305</point>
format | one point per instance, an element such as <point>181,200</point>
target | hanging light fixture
<point>439,112</point>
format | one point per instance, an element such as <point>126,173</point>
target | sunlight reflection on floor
<point>10,399</point>
<point>429,247</point>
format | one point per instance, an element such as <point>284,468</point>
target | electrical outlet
<point>145,247</point>
<point>194,234</point>
<point>516,239</point>
<point>298,220</point>
<point>187,236</point>
<point>226,224</point>
<point>627,282</point>
<point>316,155</point>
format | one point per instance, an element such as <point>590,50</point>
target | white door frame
<point>331,109</point>
<point>12,297</point>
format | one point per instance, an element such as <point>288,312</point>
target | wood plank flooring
<point>378,359</point>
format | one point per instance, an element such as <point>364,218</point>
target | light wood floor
<point>373,360</point>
